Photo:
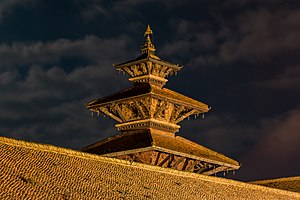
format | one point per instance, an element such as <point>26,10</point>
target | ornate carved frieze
<point>161,111</point>
<point>173,161</point>
<point>148,71</point>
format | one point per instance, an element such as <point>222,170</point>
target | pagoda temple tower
<point>148,115</point>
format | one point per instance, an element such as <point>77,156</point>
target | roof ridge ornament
<point>148,31</point>
<point>148,47</point>
<point>148,68</point>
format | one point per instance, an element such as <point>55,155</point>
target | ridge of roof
<point>285,183</point>
<point>283,179</point>
<point>73,153</point>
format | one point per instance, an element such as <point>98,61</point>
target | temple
<point>148,115</point>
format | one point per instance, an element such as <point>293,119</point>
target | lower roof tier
<point>152,142</point>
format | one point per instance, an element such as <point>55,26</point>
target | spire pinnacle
<point>148,47</point>
<point>148,31</point>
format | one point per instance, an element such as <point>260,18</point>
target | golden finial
<point>148,47</point>
<point>148,31</point>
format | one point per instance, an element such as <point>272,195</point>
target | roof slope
<point>147,89</point>
<point>143,139</point>
<point>35,171</point>
<point>290,183</point>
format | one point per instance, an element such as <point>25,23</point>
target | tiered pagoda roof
<point>148,115</point>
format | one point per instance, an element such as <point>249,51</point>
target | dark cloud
<point>263,34</point>
<point>257,35</point>
<point>277,152</point>
<point>6,6</point>
<point>289,79</point>
<point>45,102</point>
<point>91,48</point>
<point>223,133</point>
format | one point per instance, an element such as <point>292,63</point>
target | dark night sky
<point>240,57</point>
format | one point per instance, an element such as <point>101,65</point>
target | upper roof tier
<point>148,68</point>
<point>146,106</point>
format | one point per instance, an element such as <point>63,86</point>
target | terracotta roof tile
<point>147,89</point>
<point>289,183</point>
<point>146,138</point>
<point>35,171</point>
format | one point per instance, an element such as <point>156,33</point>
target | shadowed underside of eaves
<point>149,147</point>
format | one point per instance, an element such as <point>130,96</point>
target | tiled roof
<point>146,138</point>
<point>289,183</point>
<point>147,89</point>
<point>180,144</point>
<point>35,171</point>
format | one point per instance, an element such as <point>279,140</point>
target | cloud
<point>256,35</point>
<point>92,9</point>
<point>7,5</point>
<point>288,80</point>
<point>41,100</point>
<point>223,133</point>
<point>48,104</point>
<point>127,5</point>
<point>263,34</point>
<point>278,151</point>
<point>91,48</point>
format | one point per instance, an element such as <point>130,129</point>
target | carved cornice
<point>147,124</point>
<point>151,79</point>
<point>148,70</point>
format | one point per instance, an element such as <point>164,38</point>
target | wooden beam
<point>106,112</point>
<point>176,114</point>
<point>120,112</point>
<point>199,167</point>
<point>162,71</point>
<point>157,158</point>
<point>168,72</point>
<point>185,116</point>
<point>185,163</point>
<point>136,159</point>
<point>164,160</point>
<point>128,71</point>
<point>175,164</point>
<point>140,109</point>
<point>171,160</point>
<point>215,170</point>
